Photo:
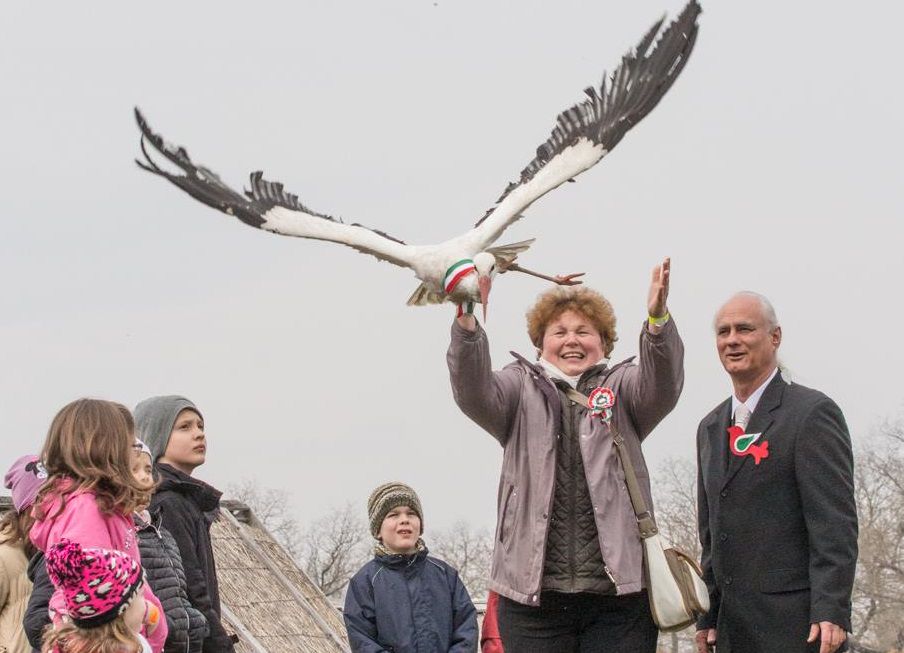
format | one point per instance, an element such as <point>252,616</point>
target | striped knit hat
<point>389,496</point>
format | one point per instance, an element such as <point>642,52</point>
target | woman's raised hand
<point>467,321</point>
<point>659,290</point>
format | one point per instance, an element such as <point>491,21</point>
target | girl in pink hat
<point>23,479</point>
<point>102,590</point>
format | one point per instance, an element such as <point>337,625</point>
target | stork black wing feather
<point>256,206</point>
<point>206,186</point>
<point>267,194</point>
<point>199,182</point>
<point>633,90</point>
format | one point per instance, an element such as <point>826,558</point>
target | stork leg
<point>562,280</point>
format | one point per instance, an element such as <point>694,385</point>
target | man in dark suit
<point>777,517</point>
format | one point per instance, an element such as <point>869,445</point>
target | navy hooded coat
<point>409,604</point>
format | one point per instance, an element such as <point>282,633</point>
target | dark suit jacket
<point>779,538</point>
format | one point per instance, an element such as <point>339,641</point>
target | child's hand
<point>152,618</point>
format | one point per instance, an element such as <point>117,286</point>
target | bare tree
<point>334,547</point>
<point>330,549</point>
<point>878,599</point>
<point>675,490</point>
<point>470,551</point>
<point>271,508</point>
<point>675,493</point>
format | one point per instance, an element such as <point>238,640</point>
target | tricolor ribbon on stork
<point>454,275</point>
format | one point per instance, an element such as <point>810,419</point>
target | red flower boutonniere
<point>600,402</point>
<point>744,444</point>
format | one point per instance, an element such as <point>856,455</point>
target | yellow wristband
<point>658,321</point>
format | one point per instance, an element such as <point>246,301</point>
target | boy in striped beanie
<point>404,600</point>
<point>388,500</point>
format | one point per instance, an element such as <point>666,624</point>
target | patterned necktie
<point>742,416</point>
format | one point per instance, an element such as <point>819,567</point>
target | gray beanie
<point>154,420</point>
<point>389,496</point>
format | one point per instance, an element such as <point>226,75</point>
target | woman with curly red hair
<point>568,560</point>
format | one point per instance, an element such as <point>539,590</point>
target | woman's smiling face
<point>572,343</point>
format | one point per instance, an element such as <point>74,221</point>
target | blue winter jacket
<point>409,604</point>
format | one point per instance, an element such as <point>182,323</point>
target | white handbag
<point>678,595</point>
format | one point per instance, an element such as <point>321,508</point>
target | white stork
<point>461,270</point>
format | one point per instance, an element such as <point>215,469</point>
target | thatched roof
<point>267,600</point>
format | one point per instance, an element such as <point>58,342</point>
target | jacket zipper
<point>539,377</point>
<point>549,504</point>
<point>602,380</point>
<point>176,574</point>
<point>575,448</point>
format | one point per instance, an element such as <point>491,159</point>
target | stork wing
<point>424,294</point>
<point>586,132</point>
<point>266,205</point>
<point>508,254</point>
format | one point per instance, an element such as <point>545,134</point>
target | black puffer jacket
<point>163,565</point>
<point>36,614</point>
<point>574,562</point>
<point>187,508</point>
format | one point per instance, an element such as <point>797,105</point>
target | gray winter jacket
<point>522,409</point>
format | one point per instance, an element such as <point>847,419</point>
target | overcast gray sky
<point>773,164</point>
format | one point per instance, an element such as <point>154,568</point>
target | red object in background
<point>490,642</point>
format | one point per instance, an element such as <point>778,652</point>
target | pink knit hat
<point>25,478</point>
<point>97,584</point>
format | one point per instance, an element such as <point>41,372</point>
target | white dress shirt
<point>754,398</point>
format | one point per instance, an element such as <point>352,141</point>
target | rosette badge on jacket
<point>97,584</point>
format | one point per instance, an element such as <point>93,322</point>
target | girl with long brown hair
<point>90,492</point>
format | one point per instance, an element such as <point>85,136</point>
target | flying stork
<point>461,269</point>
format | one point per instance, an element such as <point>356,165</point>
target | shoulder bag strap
<point>645,522</point>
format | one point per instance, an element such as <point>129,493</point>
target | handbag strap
<point>646,524</point>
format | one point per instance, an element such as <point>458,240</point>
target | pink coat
<point>82,521</point>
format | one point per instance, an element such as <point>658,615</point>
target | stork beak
<point>484,283</point>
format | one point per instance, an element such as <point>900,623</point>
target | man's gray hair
<point>765,304</point>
